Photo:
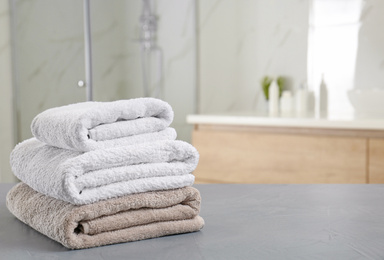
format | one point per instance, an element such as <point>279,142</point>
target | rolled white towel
<point>98,125</point>
<point>87,177</point>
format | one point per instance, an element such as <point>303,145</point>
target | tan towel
<point>128,218</point>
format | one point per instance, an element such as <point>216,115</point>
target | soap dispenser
<point>323,100</point>
<point>273,93</point>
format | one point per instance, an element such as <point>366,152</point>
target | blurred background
<point>208,60</point>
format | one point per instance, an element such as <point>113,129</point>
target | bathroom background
<point>215,53</point>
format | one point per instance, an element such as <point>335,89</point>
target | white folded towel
<point>97,125</point>
<point>87,177</point>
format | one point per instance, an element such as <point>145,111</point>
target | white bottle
<point>323,100</point>
<point>286,103</point>
<point>302,100</point>
<point>273,93</point>
<point>311,102</point>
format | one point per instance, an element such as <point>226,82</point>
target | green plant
<point>280,83</point>
<point>266,82</point>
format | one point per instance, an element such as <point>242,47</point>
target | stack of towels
<point>99,173</point>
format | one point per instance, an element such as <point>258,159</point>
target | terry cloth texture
<point>96,125</point>
<point>123,219</point>
<point>87,177</point>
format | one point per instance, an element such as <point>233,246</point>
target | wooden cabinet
<point>376,160</point>
<point>254,155</point>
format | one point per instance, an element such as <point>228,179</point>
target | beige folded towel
<point>128,218</point>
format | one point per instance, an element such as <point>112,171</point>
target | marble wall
<point>49,55</point>
<point>6,104</point>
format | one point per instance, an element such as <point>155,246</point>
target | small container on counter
<point>323,102</point>
<point>273,98</point>
<point>286,103</point>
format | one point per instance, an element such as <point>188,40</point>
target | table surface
<point>242,222</point>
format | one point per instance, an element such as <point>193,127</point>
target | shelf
<point>331,122</point>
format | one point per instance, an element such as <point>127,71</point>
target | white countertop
<point>309,121</point>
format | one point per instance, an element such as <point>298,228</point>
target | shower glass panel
<point>49,55</point>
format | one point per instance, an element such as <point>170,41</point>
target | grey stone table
<point>242,222</point>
